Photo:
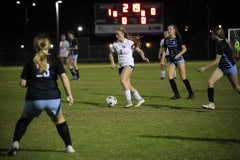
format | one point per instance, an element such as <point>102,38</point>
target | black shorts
<point>166,56</point>
<point>121,69</point>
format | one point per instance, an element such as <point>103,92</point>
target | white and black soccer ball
<point>111,101</point>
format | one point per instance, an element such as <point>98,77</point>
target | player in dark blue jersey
<point>176,49</point>
<point>39,76</point>
<point>226,66</point>
<point>73,56</point>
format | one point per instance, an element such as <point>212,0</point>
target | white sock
<point>127,94</point>
<point>175,74</point>
<point>163,74</point>
<point>137,95</point>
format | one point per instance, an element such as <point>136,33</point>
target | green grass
<point>161,129</point>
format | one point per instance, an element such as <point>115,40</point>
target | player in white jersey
<point>124,47</point>
<point>64,49</point>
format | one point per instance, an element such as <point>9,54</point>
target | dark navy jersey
<point>73,43</point>
<point>42,85</point>
<point>225,51</point>
<point>174,47</point>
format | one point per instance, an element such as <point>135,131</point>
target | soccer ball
<point>111,101</point>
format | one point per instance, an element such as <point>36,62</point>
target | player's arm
<point>66,85</point>
<point>23,83</point>
<point>214,62</point>
<point>74,48</point>
<point>183,50</point>
<point>111,58</point>
<point>141,53</point>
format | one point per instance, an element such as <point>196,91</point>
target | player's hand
<point>113,66</point>
<point>201,69</point>
<point>146,59</point>
<point>70,100</point>
<point>177,56</point>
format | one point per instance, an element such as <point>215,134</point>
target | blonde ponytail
<point>135,39</point>
<point>41,45</point>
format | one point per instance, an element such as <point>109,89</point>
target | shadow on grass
<point>195,109</point>
<point>3,151</point>
<point>217,140</point>
<point>92,103</point>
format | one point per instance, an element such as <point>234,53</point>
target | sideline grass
<point>161,129</point>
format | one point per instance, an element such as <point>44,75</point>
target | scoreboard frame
<point>135,17</point>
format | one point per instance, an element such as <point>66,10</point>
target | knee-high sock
<point>188,86</point>
<point>174,86</point>
<point>64,133</point>
<point>211,95</point>
<point>20,128</point>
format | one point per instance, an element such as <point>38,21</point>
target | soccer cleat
<point>210,105</point>
<point>129,104</point>
<point>176,96</point>
<point>191,96</point>
<point>70,149</point>
<point>162,78</point>
<point>13,149</point>
<point>75,78</point>
<point>139,103</point>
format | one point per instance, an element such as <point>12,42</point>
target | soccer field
<point>160,129</point>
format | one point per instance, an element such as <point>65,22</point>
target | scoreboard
<point>144,17</point>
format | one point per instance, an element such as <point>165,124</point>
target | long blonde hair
<point>41,44</point>
<point>135,39</point>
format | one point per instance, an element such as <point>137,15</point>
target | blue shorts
<point>74,56</point>
<point>35,107</point>
<point>229,72</point>
<point>176,62</point>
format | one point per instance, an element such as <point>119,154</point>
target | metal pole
<point>57,24</point>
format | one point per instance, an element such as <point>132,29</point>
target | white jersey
<point>161,45</point>
<point>125,52</point>
<point>64,46</point>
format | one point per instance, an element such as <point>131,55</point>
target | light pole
<point>57,22</point>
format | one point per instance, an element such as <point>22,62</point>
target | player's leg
<point>70,67</point>
<point>182,71</point>
<point>232,75</point>
<point>124,80</point>
<point>25,119</point>
<point>234,82</point>
<point>215,76</point>
<point>54,111</point>
<point>171,70</point>
<point>162,69</point>
<point>75,65</point>
<point>136,95</point>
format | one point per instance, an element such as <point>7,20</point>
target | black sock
<point>77,73</point>
<point>20,128</point>
<point>174,86</point>
<point>188,86</point>
<point>64,133</point>
<point>211,95</point>
<point>72,72</point>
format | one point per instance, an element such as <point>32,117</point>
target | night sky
<point>199,15</point>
